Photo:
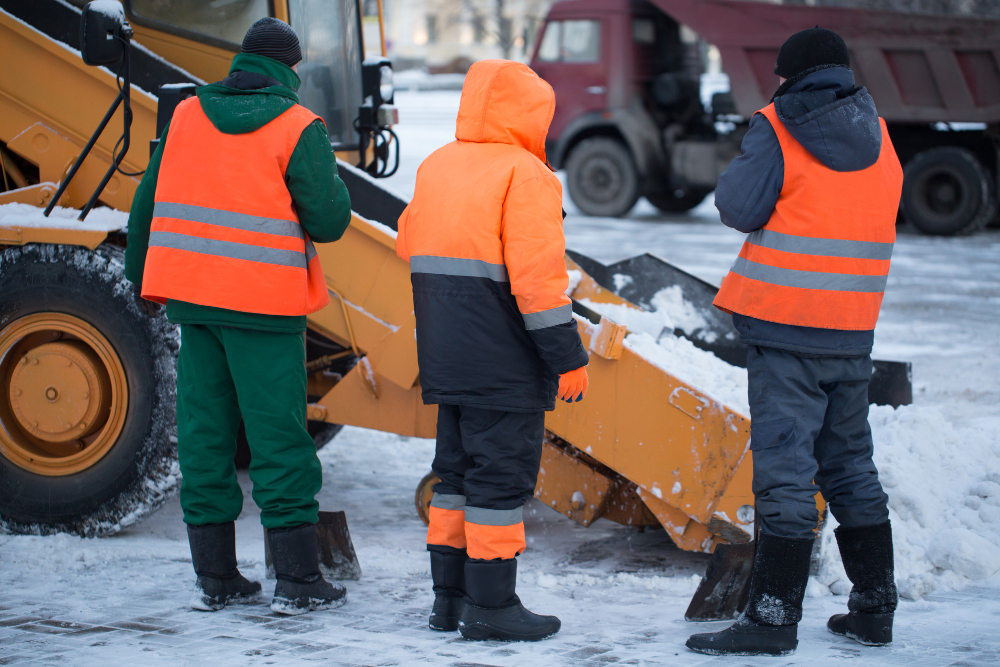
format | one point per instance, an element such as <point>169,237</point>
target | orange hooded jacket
<point>484,238</point>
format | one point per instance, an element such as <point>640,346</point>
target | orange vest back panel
<point>225,232</point>
<point>822,259</point>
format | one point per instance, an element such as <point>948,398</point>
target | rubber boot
<point>769,624</point>
<point>868,560</point>
<point>493,610</point>
<point>448,574</point>
<point>301,586</point>
<point>219,582</point>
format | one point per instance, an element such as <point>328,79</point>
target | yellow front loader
<point>86,382</point>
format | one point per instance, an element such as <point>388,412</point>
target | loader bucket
<point>891,383</point>
<point>337,559</point>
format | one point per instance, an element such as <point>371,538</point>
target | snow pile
<point>651,335</point>
<point>679,586</point>
<point>25,215</point>
<point>943,484</point>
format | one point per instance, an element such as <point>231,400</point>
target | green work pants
<point>224,373</point>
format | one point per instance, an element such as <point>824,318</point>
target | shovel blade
<point>723,591</point>
<point>337,558</point>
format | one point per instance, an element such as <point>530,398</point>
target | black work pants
<point>488,464</point>
<point>809,431</point>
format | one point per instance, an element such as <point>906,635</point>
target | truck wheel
<point>673,201</point>
<point>603,179</point>
<point>87,425</point>
<point>947,191</point>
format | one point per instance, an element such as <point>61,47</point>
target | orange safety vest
<point>225,232</point>
<point>822,259</point>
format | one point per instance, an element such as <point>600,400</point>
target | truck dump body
<point>918,68</point>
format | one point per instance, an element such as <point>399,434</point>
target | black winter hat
<point>815,47</point>
<point>274,39</point>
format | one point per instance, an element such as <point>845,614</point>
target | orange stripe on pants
<point>489,542</point>
<point>447,528</point>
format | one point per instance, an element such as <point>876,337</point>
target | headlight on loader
<point>386,89</point>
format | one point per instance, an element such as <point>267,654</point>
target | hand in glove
<point>573,385</point>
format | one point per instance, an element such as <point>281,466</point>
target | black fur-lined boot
<point>493,610</point>
<point>769,624</point>
<point>213,554</point>
<point>301,586</point>
<point>868,560</point>
<point>448,574</point>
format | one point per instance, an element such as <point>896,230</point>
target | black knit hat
<point>274,39</point>
<point>809,49</point>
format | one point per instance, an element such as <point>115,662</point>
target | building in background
<point>449,35</point>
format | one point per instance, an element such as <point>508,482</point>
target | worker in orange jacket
<point>496,340</point>
<point>816,190</point>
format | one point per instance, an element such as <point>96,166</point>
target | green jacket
<point>321,199</point>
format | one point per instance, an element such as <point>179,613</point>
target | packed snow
<point>620,593</point>
<point>100,219</point>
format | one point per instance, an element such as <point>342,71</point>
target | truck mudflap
<point>892,383</point>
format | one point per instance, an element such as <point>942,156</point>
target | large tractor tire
<point>87,393</point>
<point>602,177</point>
<point>947,191</point>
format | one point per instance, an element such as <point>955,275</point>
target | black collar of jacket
<point>250,81</point>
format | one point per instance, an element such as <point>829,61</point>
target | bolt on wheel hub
<point>59,391</point>
<point>63,394</point>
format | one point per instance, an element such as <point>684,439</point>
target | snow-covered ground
<point>621,594</point>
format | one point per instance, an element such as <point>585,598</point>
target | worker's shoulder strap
<point>785,139</point>
<point>298,115</point>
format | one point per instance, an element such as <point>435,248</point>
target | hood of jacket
<point>505,102</point>
<point>257,90</point>
<point>834,120</point>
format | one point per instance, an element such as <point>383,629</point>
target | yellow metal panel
<point>35,195</point>
<point>209,63</point>
<point>395,410</point>
<point>398,359</point>
<point>570,486</point>
<point>628,425</point>
<point>49,88</point>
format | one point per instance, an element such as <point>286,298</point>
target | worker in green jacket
<point>221,230</point>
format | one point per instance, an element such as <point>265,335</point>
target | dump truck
<point>87,425</point>
<point>630,120</point>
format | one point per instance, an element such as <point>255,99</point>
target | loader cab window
<point>571,42</point>
<point>330,35</point>
<point>223,22</point>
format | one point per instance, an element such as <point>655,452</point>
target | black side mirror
<point>102,29</point>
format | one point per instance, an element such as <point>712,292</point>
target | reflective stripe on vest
<point>822,259</point>
<point>225,232</point>
<point>232,249</point>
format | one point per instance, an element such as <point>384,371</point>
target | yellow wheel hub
<point>66,394</point>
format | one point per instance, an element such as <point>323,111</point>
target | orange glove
<point>573,385</point>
